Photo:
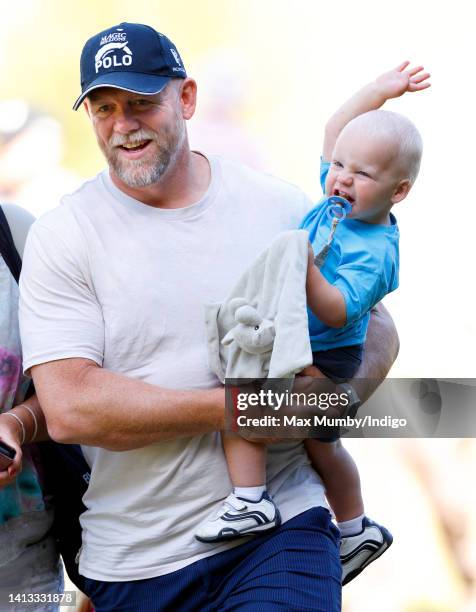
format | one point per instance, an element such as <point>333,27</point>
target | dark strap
<point>7,247</point>
<point>66,477</point>
<point>11,257</point>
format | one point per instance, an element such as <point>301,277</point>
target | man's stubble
<point>145,172</point>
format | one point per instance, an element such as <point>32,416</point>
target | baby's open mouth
<point>343,194</point>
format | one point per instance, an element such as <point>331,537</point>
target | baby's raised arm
<point>392,84</point>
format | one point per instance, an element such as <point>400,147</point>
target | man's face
<point>364,172</point>
<point>140,135</point>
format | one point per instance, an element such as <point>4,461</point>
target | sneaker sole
<point>231,534</point>
<point>387,542</point>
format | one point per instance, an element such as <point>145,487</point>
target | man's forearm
<point>381,350</point>
<point>86,404</point>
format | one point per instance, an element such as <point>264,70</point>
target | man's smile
<point>134,145</point>
<point>134,150</point>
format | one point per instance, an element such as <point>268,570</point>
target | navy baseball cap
<point>129,56</point>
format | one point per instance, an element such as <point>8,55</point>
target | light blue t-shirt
<point>362,263</point>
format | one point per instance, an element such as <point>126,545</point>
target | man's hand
<point>380,351</point>
<point>398,81</point>
<point>252,437</point>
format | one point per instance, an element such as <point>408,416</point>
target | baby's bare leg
<point>340,476</point>
<point>337,470</point>
<point>248,510</point>
<point>246,461</point>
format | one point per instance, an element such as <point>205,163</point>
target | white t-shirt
<point>113,280</point>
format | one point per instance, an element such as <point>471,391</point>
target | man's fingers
<point>311,371</point>
<point>252,437</point>
<point>268,440</point>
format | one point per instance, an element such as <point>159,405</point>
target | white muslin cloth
<point>275,286</point>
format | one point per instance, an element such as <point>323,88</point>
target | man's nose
<point>125,121</point>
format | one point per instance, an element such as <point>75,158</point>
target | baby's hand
<point>396,82</point>
<point>10,435</point>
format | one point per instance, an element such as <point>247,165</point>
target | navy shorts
<point>294,568</point>
<point>339,364</point>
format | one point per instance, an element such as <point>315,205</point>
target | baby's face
<point>364,172</point>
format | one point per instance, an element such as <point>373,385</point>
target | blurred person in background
<point>218,126</point>
<point>31,150</point>
<point>29,561</point>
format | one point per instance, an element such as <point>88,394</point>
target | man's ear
<point>188,97</point>
<point>401,191</point>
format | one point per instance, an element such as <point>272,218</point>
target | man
<point>113,289</point>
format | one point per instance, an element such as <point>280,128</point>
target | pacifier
<point>338,208</point>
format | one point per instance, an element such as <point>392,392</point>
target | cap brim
<point>147,84</point>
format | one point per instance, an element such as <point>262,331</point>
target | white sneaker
<point>358,551</point>
<point>240,517</point>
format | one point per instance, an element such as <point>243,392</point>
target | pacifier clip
<point>337,211</point>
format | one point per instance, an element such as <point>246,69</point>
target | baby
<point>371,159</point>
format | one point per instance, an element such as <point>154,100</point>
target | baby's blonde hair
<point>398,129</point>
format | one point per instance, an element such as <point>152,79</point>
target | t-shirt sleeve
<point>60,316</point>
<point>362,287</point>
<point>324,171</point>
<point>313,216</point>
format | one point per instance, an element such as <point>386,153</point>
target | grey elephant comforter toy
<point>261,329</point>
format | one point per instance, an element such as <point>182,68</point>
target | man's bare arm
<point>86,404</point>
<point>380,351</point>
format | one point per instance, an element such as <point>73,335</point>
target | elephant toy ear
<point>235,303</point>
<point>228,338</point>
<point>248,315</point>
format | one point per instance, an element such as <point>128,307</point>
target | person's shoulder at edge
<point>60,229</point>
<point>17,214</point>
<point>69,201</point>
<point>19,221</point>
